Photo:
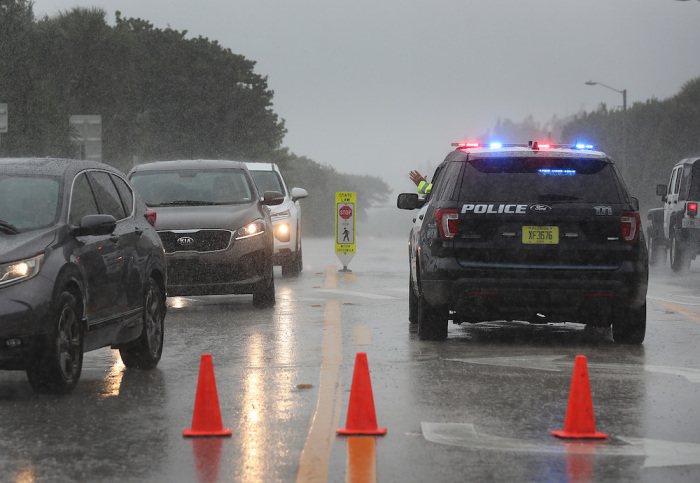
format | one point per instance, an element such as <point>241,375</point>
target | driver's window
<point>82,201</point>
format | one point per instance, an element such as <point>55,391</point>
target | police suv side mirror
<point>661,191</point>
<point>409,201</point>
<point>635,203</point>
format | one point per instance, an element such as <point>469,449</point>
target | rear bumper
<point>586,296</point>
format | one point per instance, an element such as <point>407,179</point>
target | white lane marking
<point>693,375</point>
<point>658,453</point>
<point>548,363</point>
<point>542,363</point>
<point>359,294</point>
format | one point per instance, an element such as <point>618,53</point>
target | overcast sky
<point>382,87</point>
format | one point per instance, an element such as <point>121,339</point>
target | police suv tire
<point>678,254</point>
<point>58,371</point>
<point>432,324</point>
<point>629,325</point>
<point>146,351</point>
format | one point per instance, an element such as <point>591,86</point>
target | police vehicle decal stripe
<point>484,208</point>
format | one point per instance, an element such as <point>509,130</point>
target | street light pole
<point>624,117</point>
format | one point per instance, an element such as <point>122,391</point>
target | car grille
<point>195,240</point>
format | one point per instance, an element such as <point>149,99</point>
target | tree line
<point>645,141</point>
<point>160,94</point>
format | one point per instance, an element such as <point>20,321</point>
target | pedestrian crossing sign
<point>345,205</point>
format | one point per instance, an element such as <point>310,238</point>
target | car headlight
<point>15,272</point>
<point>251,229</point>
<point>281,215</point>
<point>282,232</point>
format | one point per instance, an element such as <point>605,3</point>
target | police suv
<point>532,232</point>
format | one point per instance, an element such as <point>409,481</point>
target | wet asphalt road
<point>477,407</point>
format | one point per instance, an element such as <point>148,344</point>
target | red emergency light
<point>467,145</point>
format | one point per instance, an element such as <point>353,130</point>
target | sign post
<point>345,227</point>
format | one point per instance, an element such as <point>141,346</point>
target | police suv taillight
<point>630,223</point>
<point>692,208</point>
<point>448,221</point>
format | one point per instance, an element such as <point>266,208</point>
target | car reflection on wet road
<point>479,406</point>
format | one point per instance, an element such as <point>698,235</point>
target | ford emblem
<point>540,208</point>
<point>185,240</point>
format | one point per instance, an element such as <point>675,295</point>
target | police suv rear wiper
<point>555,197</point>
<point>8,227</point>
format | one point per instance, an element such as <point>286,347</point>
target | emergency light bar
<point>531,144</point>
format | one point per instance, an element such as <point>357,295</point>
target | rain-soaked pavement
<point>478,407</point>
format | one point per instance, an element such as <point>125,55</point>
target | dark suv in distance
<point>81,267</point>
<point>215,227</point>
<point>536,233</point>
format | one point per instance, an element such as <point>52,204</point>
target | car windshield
<point>28,202</point>
<point>267,181</point>
<point>193,187</point>
<point>539,180</point>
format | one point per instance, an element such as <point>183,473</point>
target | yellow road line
<point>362,460</point>
<point>682,311</point>
<point>313,465</point>
<point>331,276</point>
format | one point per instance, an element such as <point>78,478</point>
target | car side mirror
<point>299,193</point>
<point>409,201</point>
<point>272,198</point>
<point>91,225</point>
<point>661,190</point>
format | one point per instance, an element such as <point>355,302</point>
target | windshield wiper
<point>8,227</point>
<point>187,203</point>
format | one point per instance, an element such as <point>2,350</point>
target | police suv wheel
<point>629,325</point>
<point>432,323</point>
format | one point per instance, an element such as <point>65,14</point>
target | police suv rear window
<point>552,180</point>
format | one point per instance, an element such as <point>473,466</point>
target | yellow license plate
<point>541,235</point>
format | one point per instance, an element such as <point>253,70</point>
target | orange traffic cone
<point>579,422</point>
<point>206,420</point>
<point>361,416</point>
